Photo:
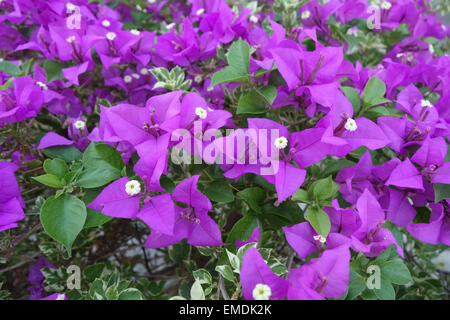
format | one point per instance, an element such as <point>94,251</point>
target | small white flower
<point>170,25</point>
<point>350,125</point>
<point>200,11</point>
<point>262,292</point>
<point>135,75</point>
<point>281,142</point>
<point>442,261</point>
<point>139,8</point>
<point>42,85</point>
<point>320,238</point>
<point>144,71</point>
<point>306,14</point>
<point>106,23</point>
<point>254,19</point>
<point>410,57</point>
<point>426,103</point>
<point>201,113</point>
<point>79,124</point>
<point>111,36</point>
<point>151,1</point>
<point>127,79</point>
<point>198,78</point>
<point>386,5</point>
<point>133,187</point>
<point>135,32</point>
<point>399,55</point>
<point>70,39</point>
<point>60,296</point>
<point>70,6</point>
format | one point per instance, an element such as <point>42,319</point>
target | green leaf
<point>354,98</point>
<point>356,285</point>
<point>238,56</point>
<point>325,188</point>
<point>251,103</point>
<point>441,191</point>
<point>319,220</point>
<point>53,69</point>
<point>374,90</point>
<point>9,68</point>
<point>243,229</point>
<point>103,164</point>
<point>63,218</point>
<point>197,292</point>
<point>395,271</point>
<point>219,191</point>
<point>112,293</point>
<point>49,180</point>
<point>226,272</point>
<point>131,294</point>
<point>269,93</point>
<point>253,196</point>
<point>386,291</point>
<point>56,167</point>
<point>228,74</point>
<point>301,196</point>
<point>66,153</point>
<point>202,276</point>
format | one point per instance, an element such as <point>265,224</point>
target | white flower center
<point>111,36</point>
<point>151,1</point>
<point>320,238</point>
<point>79,124</point>
<point>200,11</point>
<point>135,32</point>
<point>426,103</point>
<point>350,125</point>
<point>127,79</point>
<point>106,23</point>
<point>133,187</point>
<point>198,78</point>
<point>42,85</point>
<point>144,71</point>
<point>170,25</point>
<point>262,292</point>
<point>70,7</point>
<point>281,142</point>
<point>306,14</point>
<point>254,19</point>
<point>70,39</point>
<point>201,113</point>
<point>60,296</point>
<point>386,5</point>
<point>135,75</point>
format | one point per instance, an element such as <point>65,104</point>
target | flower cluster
<point>314,120</point>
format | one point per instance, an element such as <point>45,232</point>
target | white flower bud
<point>262,292</point>
<point>80,125</point>
<point>201,113</point>
<point>306,14</point>
<point>350,125</point>
<point>281,142</point>
<point>386,5</point>
<point>133,187</point>
<point>426,103</point>
<point>111,36</point>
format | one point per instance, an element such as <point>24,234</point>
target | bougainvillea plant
<point>257,150</point>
